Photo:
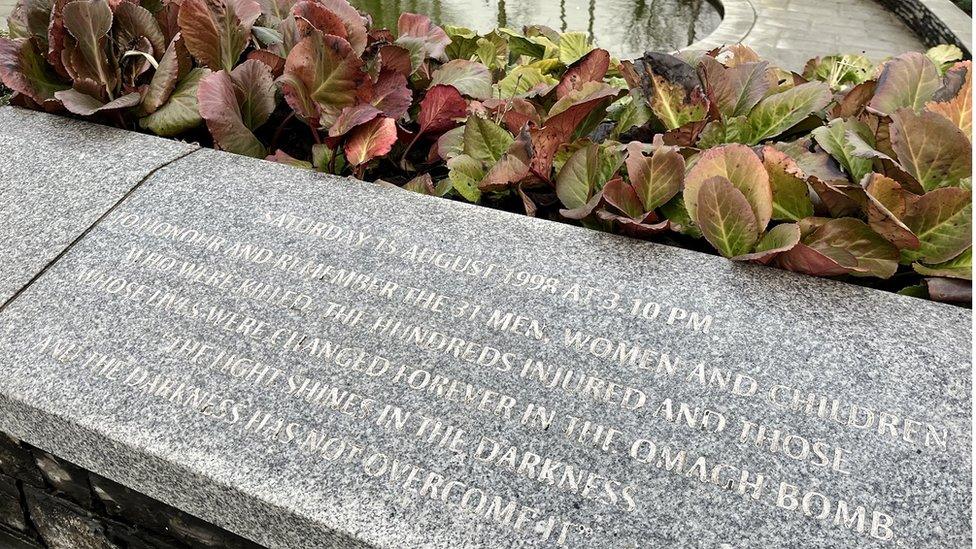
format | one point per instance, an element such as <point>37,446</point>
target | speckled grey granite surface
<point>57,177</point>
<point>147,355</point>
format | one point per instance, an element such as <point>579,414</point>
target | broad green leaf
<point>469,77</point>
<point>572,46</point>
<point>943,222</point>
<point>944,56</point>
<point>740,165</point>
<point>522,80</point>
<point>465,174</point>
<point>791,196</point>
<point>484,140</point>
<point>839,71</point>
<point>656,179</point>
<point>217,32</point>
<point>833,139</point>
<point>464,42</point>
<point>781,111</point>
<point>930,148</point>
<point>579,177</point>
<point>674,105</point>
<point>907,81</point>
<point>181,112</point>
<point>725,217</point>
<point>628,113</point>
<point>676,213</point>
<point>781,238</point>
<point>960,266</point>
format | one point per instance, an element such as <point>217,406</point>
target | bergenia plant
<point>847,169</point>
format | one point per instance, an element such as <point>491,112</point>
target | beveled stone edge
<point>199,494</point>
<point>954,19</point>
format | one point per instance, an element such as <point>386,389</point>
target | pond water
<point>624,27</point>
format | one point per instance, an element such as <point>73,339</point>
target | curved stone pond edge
<point>933,22</point>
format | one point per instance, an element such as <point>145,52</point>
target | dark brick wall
<point>48,503</point>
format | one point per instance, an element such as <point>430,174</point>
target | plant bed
<point>849,170</point>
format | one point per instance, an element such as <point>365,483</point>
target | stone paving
<point>789,32</point>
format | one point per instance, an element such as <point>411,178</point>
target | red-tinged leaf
<point>371,140</point>
<point>312,15</point>
<point>656,179</point>
<point>24,70</point>
<point>622,196</point>
<point>780,239</point>
<point>354,22</point>
<point>740,165</point>
<point>735,91</point>
<point>907,81</point>
<point>943,222</point>
<point>275,11</point>
<point>949,290</point>
<point>175,64</point>
<point>854,101</point>
<point>583,211</point>
<point>415,28</point>
<point>931,148</point>
<point>86,105</point>
<point>396,58</point>
<point>275,62</point>
<point>840,198</point>
<point>575,112</point>
<point>959,108</point>
<point>875,256</point>
<point>281,157</point>
<point>515,112</point>
<point>181,111</point>
<point>352,117</point>
<point>132,21</point>
<point>469,77</point>
<point>86,56</point>
<point>217,31</point>
<point>725,217</point>
<point>644,227</point>
<point>822,262</point>
<point>592,67</point>
<point>255,92</point>
<point>391,94</point>
<point>449,145</point>
<point>440,109</point>
<point>886,205</point>
<point>323,75</point>
<point>218,104</point>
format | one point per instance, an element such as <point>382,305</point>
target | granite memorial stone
<point>65,176</point>
<point>311,361</point>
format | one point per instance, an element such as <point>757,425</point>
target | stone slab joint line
<point>88,229</point>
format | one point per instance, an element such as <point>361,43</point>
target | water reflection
<point>622,26</point>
